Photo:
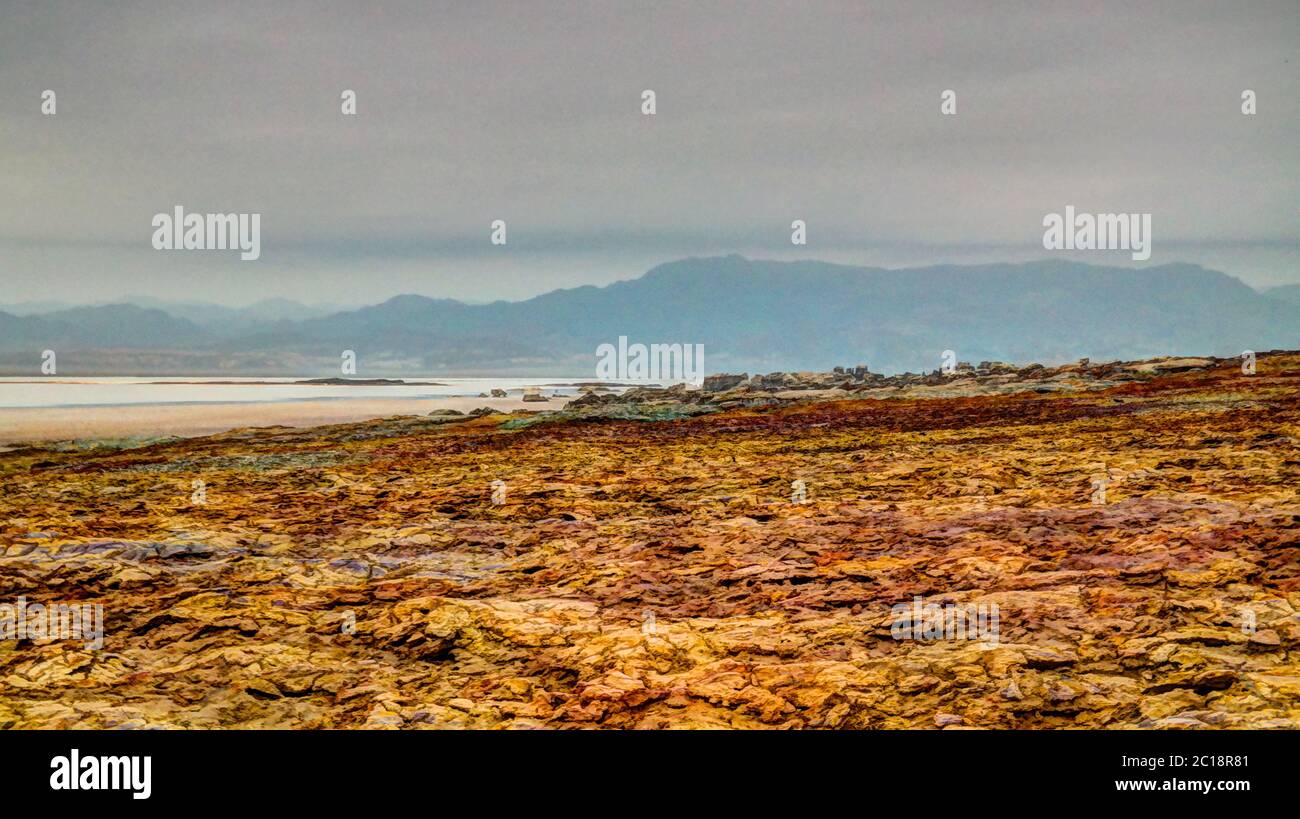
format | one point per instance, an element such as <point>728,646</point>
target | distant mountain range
<point>215,317</point>
<point>750,315</point>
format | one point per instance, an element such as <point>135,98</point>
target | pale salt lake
<point>56,391</point>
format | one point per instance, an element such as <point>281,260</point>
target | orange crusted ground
<point>659,574</point>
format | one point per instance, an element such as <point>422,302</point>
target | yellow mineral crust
<point>668,574</point>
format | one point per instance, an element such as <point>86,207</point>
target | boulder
<point>723,382</point>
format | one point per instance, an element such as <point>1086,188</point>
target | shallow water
<point>55,391</point>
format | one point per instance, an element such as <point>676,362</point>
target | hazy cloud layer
<point>530,112</point>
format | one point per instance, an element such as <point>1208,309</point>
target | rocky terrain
<point>725,557</point>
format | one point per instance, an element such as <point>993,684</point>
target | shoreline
<point>29,425</point>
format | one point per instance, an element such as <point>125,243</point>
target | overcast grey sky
<point>530,112</point>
